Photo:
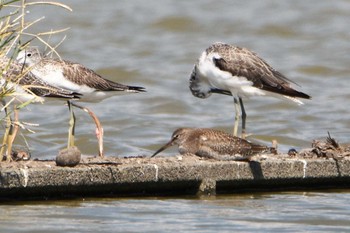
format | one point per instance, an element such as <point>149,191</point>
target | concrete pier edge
<point>185,175</point>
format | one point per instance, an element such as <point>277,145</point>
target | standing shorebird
<point>20,86</point>
<point>212,143</point>
<point>26,86</point>
<point>77,78</point>
<point>229,70</point>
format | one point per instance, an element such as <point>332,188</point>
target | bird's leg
<point>244,116</point>
<point>71,130</point>
<point>99,129</point>
<point>12,134</point>
<point>6,134</point>
<point>237,115</point>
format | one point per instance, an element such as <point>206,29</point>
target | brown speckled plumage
<point>212,143</point>
<point>15,73</point>
<point>74,72</point>
<point>230,70</point>
<point>245,63</point>
<point>81,75</point>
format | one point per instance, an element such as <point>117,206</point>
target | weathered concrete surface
<point>169,176</point>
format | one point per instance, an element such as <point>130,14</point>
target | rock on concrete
<point>68,157</point>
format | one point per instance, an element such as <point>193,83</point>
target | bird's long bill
<point>219,91</point>
<point>169,144</point>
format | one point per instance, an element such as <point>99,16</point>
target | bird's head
<point>29,56</point>
<point>199,87</point>
<point>178,137</point>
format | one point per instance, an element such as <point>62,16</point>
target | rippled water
<point>279,212</point>
<point>155,44</point>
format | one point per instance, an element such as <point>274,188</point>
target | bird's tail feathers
<point>258,149</point>
<point>136,89</point>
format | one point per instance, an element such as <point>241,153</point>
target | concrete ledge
<point>169,176</point>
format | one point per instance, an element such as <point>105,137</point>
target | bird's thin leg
<point>237,115</point>
<point>71,130</point>
<point>99,129</point>
<point>6,134</point>
<point>12,135</point>
<point>244,117</point>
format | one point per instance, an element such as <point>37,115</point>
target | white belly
<point>225,80</point>
<point>55,78</point>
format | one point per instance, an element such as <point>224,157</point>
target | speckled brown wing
<point>217,144</point>
<point>82,75</point>
<point>190,140</point>
<point>242,62</point>
<point>220,143</point>
<point>14,72</point>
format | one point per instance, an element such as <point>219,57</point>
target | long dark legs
<point>244,117</point>
<point>239,112</point>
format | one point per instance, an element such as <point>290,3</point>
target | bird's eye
<point>29,54</point>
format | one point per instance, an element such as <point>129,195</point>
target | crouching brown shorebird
<point>210,143</point>
<point>230,70</point>
<point>77,78</point>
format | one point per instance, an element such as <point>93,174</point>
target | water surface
<point>260,212</point>
<point>155,44</point>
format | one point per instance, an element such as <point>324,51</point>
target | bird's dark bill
<point>219,91</point>
<point>169,144</point>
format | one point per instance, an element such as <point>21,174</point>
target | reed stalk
<point>15,35</point>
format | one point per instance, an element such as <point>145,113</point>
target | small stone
<point>69,157</point>
<point>20,155</point>
<point>292,152</point>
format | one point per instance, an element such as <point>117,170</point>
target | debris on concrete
<point>325,165</point>
<point>68,157</point>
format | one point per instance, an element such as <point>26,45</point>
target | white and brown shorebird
<point>19,86</point>
<point>215,144</point>
<point>26,86</point>
<point>236,71</point>
<point>77,78</point>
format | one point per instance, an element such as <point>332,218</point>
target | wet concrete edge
<point>170,176</point>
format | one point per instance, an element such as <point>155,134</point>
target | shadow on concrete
<point>255,167</point>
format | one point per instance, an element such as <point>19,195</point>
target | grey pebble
<point>69,157</point>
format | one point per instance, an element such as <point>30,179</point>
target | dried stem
<point>13,29</point>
